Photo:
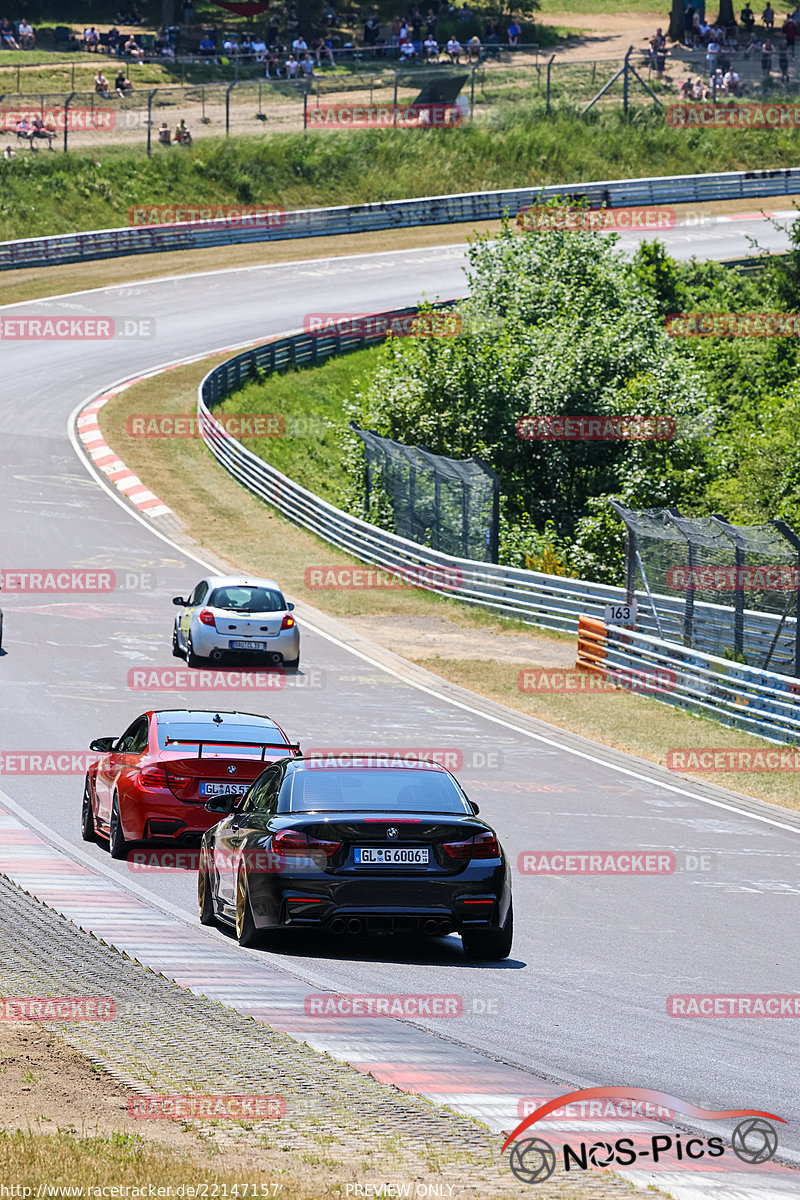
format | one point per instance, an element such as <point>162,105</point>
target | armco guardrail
<point>758,702</point>
<point>393,214</point>
<point>548,600</point>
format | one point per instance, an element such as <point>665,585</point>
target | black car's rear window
<point>217,739</point>
<point>246,599</point>
<point>331,790</point>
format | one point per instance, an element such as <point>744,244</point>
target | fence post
<point>549,68</point>
<point>305,110</point>
<point>150,95</point>
<point>67,103</point>
<point>394,107</point>
<point>472,95</point>
<point>228,107</point>
<point>625,80</point>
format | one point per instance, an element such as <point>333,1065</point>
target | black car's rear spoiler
<point>292,748</point>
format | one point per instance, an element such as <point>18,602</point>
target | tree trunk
<point>168,13</point>
<point>675,31</point>
<point>726,18</point>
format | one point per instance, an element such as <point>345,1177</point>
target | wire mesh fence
<point>724,575</point>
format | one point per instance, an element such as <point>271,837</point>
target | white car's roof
<point>219,581</point>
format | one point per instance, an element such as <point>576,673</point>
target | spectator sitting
<point>114,39</point>
<point>686,89</point>
<point>299,46</point>
<point>9,152</point>
<point>246,50</point>
<point>7,35</point>
<point>474,50</point>
<point>182,135</point>
<point>329,16</point>
<point>292,67</point>
<point>768,16</point>
<point>717,83</point>
<point>27,37</point>
<point>753,46</point>
<point>101,84</point>
<point>273,68</point>
<point>207,48</point>
<point>514,34</point>
<point>321,48</point>
<point>454,50</point>
<point>307,66</point>
<point>163,134</point>
<point>431,49</point>
<point>91,38</point>
<point>748,18</point>
<point>122,85</point>
<point>408,51</point>
<point>259,49</point>
<point>733,84</point>
<point>230,46</point>
<point>133,50</point>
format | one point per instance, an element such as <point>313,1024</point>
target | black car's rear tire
<point>205,902</point>
<point>490,945</point>
<point>246,932</point>
<point>117,846</point>
<point>88,832</point>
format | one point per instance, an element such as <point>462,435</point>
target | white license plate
<point>391,856</point>
<point>221,789</point>
<point>248,645</point>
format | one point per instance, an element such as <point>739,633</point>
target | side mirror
<point>179,601</point>
<point>290,607</point>
<point>223,804</point>
<point>102,745</point>
<point>474,807</point>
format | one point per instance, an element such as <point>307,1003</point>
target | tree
<point>675,31</point>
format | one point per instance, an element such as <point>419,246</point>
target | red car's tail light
<point>482,845</point>
<point>179,784</point>
<point>295,843</point>
<point>153,777</point>
<point>207,617</point>
<point>287,622</point>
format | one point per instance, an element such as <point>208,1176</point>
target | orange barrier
<point>591,644</point>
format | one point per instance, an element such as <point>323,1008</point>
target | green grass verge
<point>55,193</point>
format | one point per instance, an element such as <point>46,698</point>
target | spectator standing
<point>789,31</point>
<point>766,58</point>
<point>783,62</point>
<point>27,38</point>
<point>272,32</point>
<point>658,54</point>
<point>371,30</point>
<point>712,50</point>
<point>431,21</point>
<point>688,24</point>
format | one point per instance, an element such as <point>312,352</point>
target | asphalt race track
<point>583,998</point>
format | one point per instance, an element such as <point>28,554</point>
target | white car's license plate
<point>392,856</point>
<point>222,789</point>
<point>248,645</point>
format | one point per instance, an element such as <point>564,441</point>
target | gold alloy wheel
<point>241,901</point>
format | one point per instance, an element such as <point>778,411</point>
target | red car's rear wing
<point>292,748</point>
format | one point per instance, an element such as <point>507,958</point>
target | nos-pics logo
<point>534,1160</point>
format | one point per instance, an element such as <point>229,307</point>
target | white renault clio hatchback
<point>228,616</point>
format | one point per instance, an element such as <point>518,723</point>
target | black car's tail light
<point>207,617</point>
<point>295,843</point>
<point>482,845</point>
